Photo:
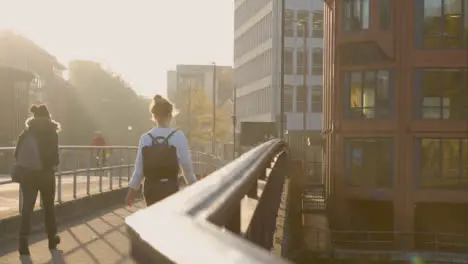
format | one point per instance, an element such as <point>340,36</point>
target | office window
<point>369,162</point>
<point>385,14</point>
<point>442,163</point>
<point>317,61</point>
<point>444,24</point>
<point>368,94</point>
<point>288,61</point>
<point>317,24</point>
<point>289,23</point>
<point>317,98</point>
<point>356,14</point>
<point>301,61</point>
<point>303,21</point>
<point>288,98</point>
<point>442,93</point>
<point>301,99</point>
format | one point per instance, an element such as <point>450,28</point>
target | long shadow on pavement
<point>97,238</point>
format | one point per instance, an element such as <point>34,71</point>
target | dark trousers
<point>156,190</point>
<point>43,182</point>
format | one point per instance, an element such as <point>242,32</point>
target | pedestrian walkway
<point>98,238</point>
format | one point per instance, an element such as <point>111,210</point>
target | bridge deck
<point>98,238</point>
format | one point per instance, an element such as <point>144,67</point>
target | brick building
<point>396,116</point>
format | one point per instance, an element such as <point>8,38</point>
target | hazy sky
<point>141,39</point>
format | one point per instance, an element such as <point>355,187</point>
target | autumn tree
<point>195,117</point>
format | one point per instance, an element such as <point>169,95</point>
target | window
<point>356,14</point>
<point>317,24</point>
<point>301,99</point>
<point>369,162</point>
<point>385,18</point>
<point>301,61</point>
<point>288,98</point>
<point>317,98</point>
<point>303,19</point>
<point>442,163</point>
<point>289,23</point>
<point>444,24</point>
<point>368,94</point>
<point>288,61</point>
<point>317,61</point>
<point>442,93</point>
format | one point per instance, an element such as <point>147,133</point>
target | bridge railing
<point>85,170</point>
<point>202,223</point>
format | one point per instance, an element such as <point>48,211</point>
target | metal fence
<point>208,215</point>
<point>86,170</point>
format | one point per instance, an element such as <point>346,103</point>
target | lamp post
<point>305,72</point>
<point>234,122</point>
<point>189,114</point>
<point>281,117</point>
<point>213,143</point>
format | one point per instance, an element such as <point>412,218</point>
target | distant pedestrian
<point>37,153</point>
<point>160,153</point>
<point>100,153</point>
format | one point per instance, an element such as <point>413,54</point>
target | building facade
<point>257,62</point>
<point>395,116</point>
<point>201,77</point>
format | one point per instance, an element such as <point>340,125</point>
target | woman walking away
<point>38,144</point>
<point>160,153</point>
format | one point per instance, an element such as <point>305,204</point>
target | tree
<point>195,117</point>
<point>116,110</point>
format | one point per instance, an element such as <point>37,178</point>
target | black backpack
<point>160,159</point>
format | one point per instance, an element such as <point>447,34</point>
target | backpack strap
<point>165,140</point>
<point>154,139</point>
<point>170,135</point>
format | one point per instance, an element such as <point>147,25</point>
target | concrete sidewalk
<point>99,238</point>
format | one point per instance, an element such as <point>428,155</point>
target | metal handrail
<point>189,226</point>
<point>203,164</point>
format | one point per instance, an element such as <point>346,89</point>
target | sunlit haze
<point>140,39</point>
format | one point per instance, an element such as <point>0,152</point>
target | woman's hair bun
<point>157,97</point>
<point>34,109</point>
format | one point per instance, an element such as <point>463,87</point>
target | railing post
<point>120,168</point>
<point>253,193</point>
<point>128,166</point>
<point>234,224</point>
<point>74,184</point>
<point>59,181</point>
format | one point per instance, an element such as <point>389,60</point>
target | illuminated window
<point>368,94</point>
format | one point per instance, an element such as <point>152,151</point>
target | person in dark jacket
<point>45,131</point>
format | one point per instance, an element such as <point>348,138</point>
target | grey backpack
<point>28,159</point>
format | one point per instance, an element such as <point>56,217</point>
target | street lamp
<point>213,143</point>
<point>281,125</point>
<point>305,71</point>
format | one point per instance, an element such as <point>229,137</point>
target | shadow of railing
<point>202,223</point>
